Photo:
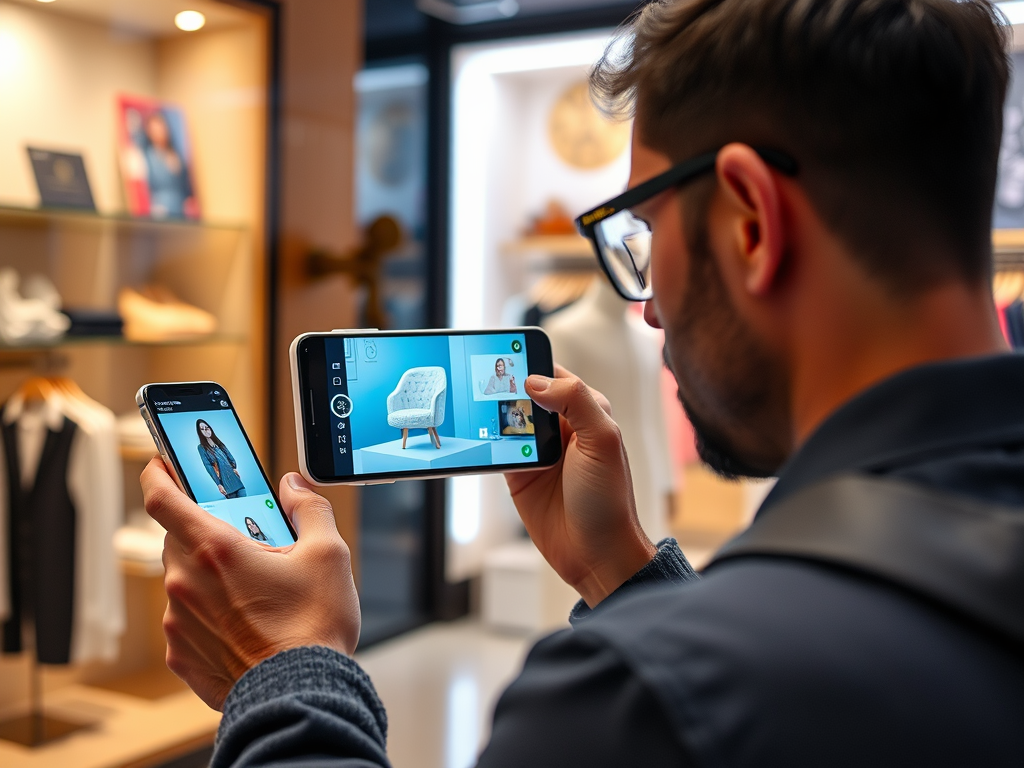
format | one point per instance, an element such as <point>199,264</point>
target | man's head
<point>892,110</point>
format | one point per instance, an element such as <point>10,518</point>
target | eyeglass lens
<point>625,245</point>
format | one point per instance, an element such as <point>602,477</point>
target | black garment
<point>94,322</point>
<point>41,547</point>
<point>1014,316</point>
<point>766,660</point>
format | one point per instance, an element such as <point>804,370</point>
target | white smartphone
<point>379,406</point>
<point>202,442</point>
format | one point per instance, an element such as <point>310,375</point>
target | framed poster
<point>156,159</point>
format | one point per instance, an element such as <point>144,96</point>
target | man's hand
<point>232,602</point>
<point>580,513</point>
<point>222,491</point>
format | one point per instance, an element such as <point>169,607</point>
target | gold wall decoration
<point>580,134</point>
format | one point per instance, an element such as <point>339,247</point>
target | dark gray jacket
<point>893,650</point>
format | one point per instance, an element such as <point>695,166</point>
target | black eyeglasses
<point>623,242</point>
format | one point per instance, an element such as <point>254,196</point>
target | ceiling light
<point>189,21</point>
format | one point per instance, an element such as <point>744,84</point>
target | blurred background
<point>185,185</point>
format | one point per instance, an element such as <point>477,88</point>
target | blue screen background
<point>372,369</point>
<point>180,429</point>
<point>377,377</point>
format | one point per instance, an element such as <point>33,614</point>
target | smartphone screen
<point>214,459</point>
<point>392,405</point>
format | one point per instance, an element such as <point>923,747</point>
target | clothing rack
<point>42,362</point>
<point>37,728</point>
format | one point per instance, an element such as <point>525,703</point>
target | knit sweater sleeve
<point>308,707</point>
<point>669,566</point>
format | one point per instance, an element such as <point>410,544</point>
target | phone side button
<point>157,440</point>
<point>379,482</point>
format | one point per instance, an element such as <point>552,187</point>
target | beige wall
<point>60,77</point>
<point>321,54</point>
<point>54,71</point>
<point>59,81</point>
<point>220,80</point>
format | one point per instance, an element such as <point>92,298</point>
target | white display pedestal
<point>522,593</point>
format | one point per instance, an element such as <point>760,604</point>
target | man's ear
<point>751,191</point>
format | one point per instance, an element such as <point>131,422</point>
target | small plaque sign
<point>61,179</point>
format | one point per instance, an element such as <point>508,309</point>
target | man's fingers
<point>176,512</point>
<point>564,373</point>
<point>561,372</point>
<point>586,411</point>
<point>310,513</point>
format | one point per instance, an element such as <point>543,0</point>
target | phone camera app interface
<point>222,472</point>
<point>429,402</point>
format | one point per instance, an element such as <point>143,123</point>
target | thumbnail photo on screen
<point>430,402</point>
<point>223,474</point>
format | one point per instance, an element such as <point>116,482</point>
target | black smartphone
<point>379,406</point>
<point>202,442</point>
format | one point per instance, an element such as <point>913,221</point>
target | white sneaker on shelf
<point>34,316</point>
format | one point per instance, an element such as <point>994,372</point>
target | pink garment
<point>1001,314</point>
<point>680,432</point>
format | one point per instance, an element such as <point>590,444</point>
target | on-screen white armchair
<point>418,402</point>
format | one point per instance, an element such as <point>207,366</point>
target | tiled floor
<point>439,685</point>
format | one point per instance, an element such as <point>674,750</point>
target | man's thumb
<point>572,399</point>
<point>310,513</point>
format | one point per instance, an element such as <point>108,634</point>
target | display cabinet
<point>521,140</point>
<point>64,69</point>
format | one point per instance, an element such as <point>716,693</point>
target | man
<point>818,177</point>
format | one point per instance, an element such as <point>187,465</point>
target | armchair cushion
<point>418,401</point>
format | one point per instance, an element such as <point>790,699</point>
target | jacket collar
<point>929,410</point>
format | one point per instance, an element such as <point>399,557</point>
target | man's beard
<point>733,391</point>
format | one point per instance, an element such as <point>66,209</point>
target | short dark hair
<point>892,108</point>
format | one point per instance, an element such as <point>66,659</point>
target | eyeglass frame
<point>676,176</point>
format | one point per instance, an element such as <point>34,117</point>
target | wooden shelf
<point>13,215</point>
<point>565,253</point>
<point>121,341</point>
<point>561,246</point>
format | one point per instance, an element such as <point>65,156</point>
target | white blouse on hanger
<point>96,485</point>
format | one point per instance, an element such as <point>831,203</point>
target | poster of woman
<point>156,159</point>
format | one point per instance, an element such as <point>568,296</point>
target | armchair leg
<point>435,438</point>
<point>405,437</point>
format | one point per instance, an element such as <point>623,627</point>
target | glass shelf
<point>45,217</point>
<point>120,341</point>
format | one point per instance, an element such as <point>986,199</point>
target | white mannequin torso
<point>618,354</point>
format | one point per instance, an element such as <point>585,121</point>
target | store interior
<point>178,201</point>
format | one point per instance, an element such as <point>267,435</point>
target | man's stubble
<point>733,390</point>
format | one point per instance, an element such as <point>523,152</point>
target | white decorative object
<point>32,315</point>
<point>418,402</point>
